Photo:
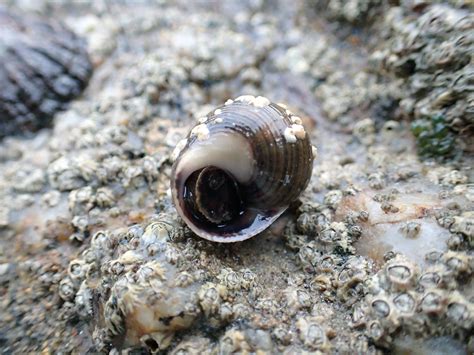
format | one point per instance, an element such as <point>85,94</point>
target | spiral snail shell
<point>240,168</point>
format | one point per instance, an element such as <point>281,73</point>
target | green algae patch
<point>434,138</point>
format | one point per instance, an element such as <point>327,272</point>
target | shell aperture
<point>213,195</point>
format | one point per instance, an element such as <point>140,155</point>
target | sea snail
<point>240,168</point>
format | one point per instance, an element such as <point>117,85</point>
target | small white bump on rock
<point>229,102</point>
<point>202,119</point>
<point>314,150</point>
<point>282,105</point>
<point>217,112</point>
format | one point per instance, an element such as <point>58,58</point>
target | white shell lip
<point>230,152</point>
<point>242,235</point>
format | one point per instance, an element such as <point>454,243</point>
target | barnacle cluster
<point>162,80</point>
<point>430,47</point>
<point>404,299</point>
<point>325,250</point>
<point>422,55</point>
<point>91,244</point>
<point>355,12</point>
<point>128,284</point>
<point>146,287</point>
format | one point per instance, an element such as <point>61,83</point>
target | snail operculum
<point>240,168</point>
<point>213,195</point>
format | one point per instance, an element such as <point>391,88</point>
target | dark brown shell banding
<point>240,169</point>
<point>43,66</point>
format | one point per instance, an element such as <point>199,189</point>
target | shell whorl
<point>259,144</point>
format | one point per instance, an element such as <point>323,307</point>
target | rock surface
<point>93,256</point>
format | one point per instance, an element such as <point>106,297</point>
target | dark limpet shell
<point>43,65</point>
<point>240,169</point>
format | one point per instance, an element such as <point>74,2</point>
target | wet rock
<point>89,255</point>
<point>398,223</point>
<point>430,46</point>
<point>144,297</point>
<point>355,12</point>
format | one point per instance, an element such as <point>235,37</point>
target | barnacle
<point>431,48</point>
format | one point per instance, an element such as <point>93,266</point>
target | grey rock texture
<point>377,254</point>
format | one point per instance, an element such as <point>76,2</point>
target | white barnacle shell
<point>177,150</point>
<point>201,131</point>
<point>290,136</point>
<point>296,120</point>
<point>241,170</point>
<point>298,131</point>
<point>258,101</point>
<point>294,132</point>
